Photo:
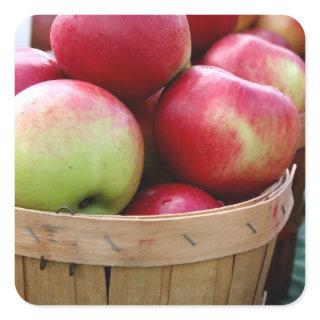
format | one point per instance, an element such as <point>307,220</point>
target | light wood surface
<point>247,265</point>
<point>53,284</point>
<point>19,276</point>
<point>90,285</point>
<point>185,278</point>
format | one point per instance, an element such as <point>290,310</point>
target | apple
<point>170,198</point>
<point>289,28</point>
<point>246,21</point>
<point>153,171</point>
<point>132,56</point>
<point>231,137</point>
<point>268,35</point>
<point>206,29</point>
<point>33,66</point>
<point>76,145</point>
<point>257,60</point>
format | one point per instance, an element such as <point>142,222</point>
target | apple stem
<point>66,208</point>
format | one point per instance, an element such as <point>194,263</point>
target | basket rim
<point>149,242</point>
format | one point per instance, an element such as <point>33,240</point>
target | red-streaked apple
<point>246,21</point>
<point>132,56</point>
<point>206,29</point>
<point>228,136</point>
<point>153,171</point>
<point>33,66</point>
<point>268,35</point>
<point>76,145</point>
<point>288,28</point>
<point>258,60</point>
<point>171,198</point>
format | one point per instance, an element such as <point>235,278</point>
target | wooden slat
<point>223,280</point>
<point>264,272</point>
<point>51,286</point>
<point>165,285</point>
<point>246,271</point>
<point>90,284</point>
<point>19,276</point>
<point>135,286</point>
<point>193,284</point>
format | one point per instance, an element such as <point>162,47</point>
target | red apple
<point>257,60</point>
<point>288,28</point>
<point>206,29</point>
<point>228,136</point>
<point>132,56</point>
<point>153,171</point>
<point>268,35</point>
<point>171,198</point>
<point>246,21</point>
<point>33,66</point>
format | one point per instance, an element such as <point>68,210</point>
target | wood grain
<point>19,276</point>
<point>246,271</point>
<point>264,272</point>
<point>223,280</point>
<point>135,286</point>
<point>193,284</point>
<point>90,285</point>
<point>50,286</point>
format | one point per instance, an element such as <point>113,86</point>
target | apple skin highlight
<point>34,66</point>
<point>132,56</point>
<point>76,145</point>
<point>230,137</point>
<point>169,198</point>
<point>258,60</point>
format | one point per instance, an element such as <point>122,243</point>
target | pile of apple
<point>155,114</point>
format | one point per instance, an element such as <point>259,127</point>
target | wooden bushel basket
<point>280,274</point>
<point>219,256</point>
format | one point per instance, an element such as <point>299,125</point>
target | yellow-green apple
<point>168,198</point>
<point>76,145</point>
<point>206,29</point>
<point>258,60</point>
<point>226,135</point>
<point>268,35</point>
<point>288,28</point>
<point>246,21</point>
<point>153,171</point>
<point>132,56</point>
<point>33,66</point>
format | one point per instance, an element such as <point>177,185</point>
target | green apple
<point>77,146</point>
